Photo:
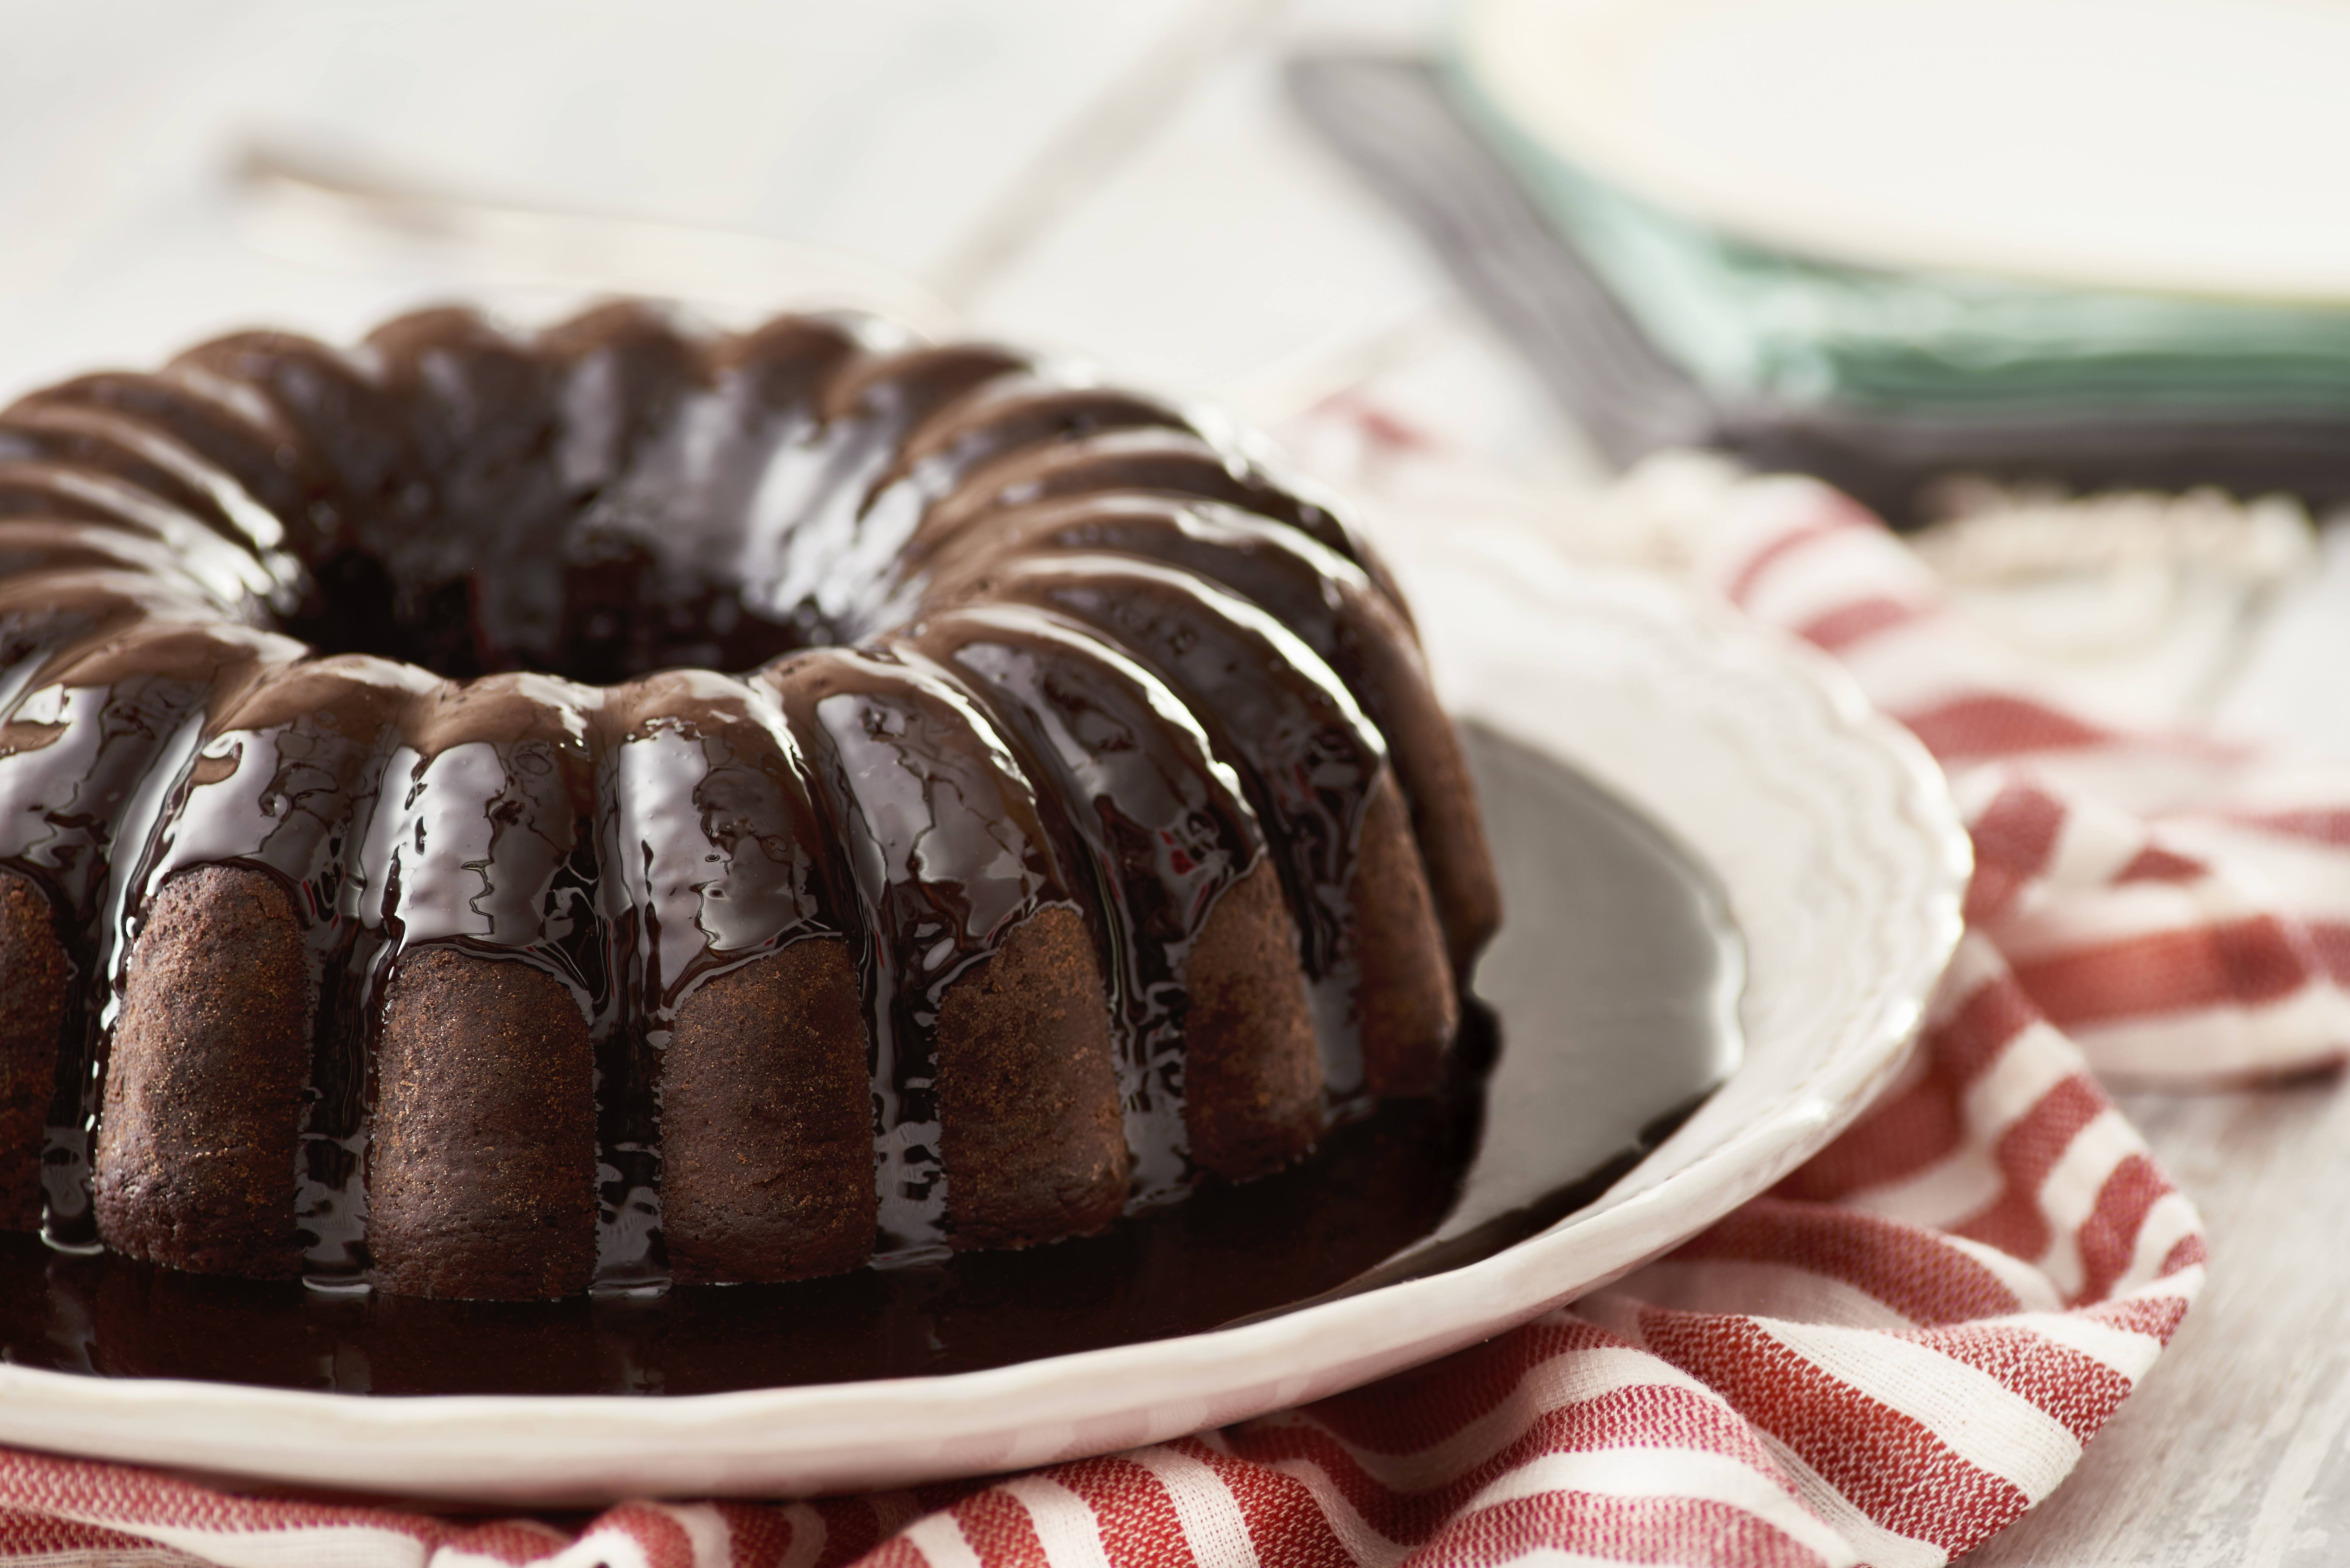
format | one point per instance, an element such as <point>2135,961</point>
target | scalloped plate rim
<point>584,1450</point>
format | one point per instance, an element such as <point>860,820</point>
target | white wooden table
<point>1123,178</point>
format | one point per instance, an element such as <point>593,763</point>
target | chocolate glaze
<point>1329,601</point>
<point>1309,758</point>
<point>429,634</point>
<point>1613,989</point>
<point>1162,822</point>
<point>716,857</point>
<point>948,856</point>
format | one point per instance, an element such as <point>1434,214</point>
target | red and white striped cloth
<point>1883,1361</point>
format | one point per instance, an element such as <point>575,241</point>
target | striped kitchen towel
<point>1885,1360</point>
<point>2179,907</point>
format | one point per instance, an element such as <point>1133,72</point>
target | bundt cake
<point>500,816</point>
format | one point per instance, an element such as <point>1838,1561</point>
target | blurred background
<point>1123,179</point>
<point>2059,287</point>
<point>2066,285</point>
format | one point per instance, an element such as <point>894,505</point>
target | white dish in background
<point>1843,861</point>
<point>2179,146</point>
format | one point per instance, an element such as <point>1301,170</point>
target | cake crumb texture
<point>1032,1143</point>
<point>767,1121</point>
<point>482,1180</point>
<point>197,1135</point>
<point>1252,1071</point>
<point>34,974</point>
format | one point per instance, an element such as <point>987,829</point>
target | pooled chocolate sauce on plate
<point>1608,1012</point>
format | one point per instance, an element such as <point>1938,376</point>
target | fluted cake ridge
<point>497,815</point>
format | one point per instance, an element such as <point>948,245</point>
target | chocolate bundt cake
<point>393,889</point>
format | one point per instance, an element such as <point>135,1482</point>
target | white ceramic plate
<point>1843,861</point>
<point>2174,145</point>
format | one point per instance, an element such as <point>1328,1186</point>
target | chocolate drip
<point>47,621</point>
<point>1333,607</point>
<point>713,854</point>
<point>485,811</point>
<point>1179,461</point>
<point>485,841</point>
<point>948,856</point>
<point>1308,757</point>
<point>718,851</point>
<point>291,783</point>
<point>1164,827</point>
<point>94,750</point>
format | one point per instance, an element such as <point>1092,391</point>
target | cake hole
<point>590,606</point>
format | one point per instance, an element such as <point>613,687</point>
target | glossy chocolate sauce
<point>429,633</point>
<point>1608,1012</point>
